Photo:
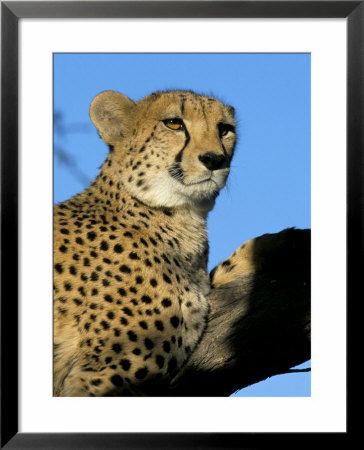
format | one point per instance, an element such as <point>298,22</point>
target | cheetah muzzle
<point>130,251</point>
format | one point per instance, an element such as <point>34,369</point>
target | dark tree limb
<point>259,324</point>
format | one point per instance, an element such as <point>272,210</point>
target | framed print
<point>52,55</point>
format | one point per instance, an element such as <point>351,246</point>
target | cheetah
<point>130,251</point>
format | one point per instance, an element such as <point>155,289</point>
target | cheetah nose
<point>212,161</point>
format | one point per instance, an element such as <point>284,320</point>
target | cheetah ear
<point>111,112</point>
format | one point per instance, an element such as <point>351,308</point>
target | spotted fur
<point>130,251</point>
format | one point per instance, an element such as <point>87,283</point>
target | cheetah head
<point>169,149</point>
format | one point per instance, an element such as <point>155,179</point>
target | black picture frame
<point>11,12</point>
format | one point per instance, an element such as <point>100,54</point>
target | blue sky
<point>269,185</point>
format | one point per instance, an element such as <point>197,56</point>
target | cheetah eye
<point>224,129</point>
<point>174,124</point>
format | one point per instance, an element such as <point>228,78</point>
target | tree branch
<point>259,324</point>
